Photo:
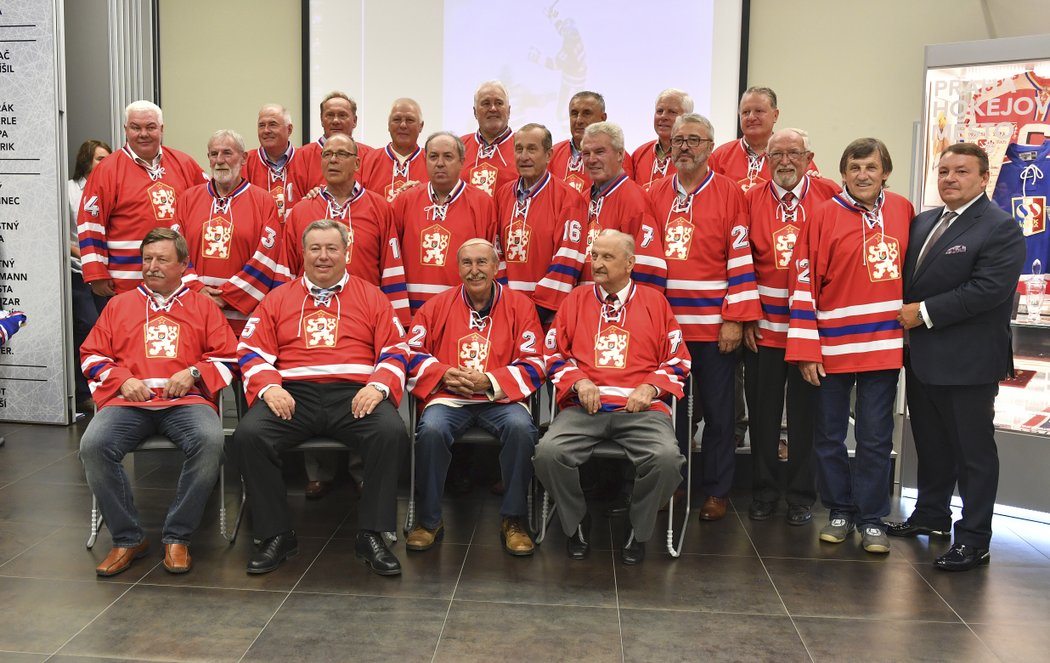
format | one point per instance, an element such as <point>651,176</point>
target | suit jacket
<point>967,280</point>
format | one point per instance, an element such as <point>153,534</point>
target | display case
<point>996,93</point>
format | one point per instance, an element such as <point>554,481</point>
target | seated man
<point>322,356</point>
<point>475,363</point>
<point>154,361</point>
<point>614,354</point>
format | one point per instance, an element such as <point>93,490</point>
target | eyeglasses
<point>691,141</point>
<point>342,154</point>
<point>793,155</point>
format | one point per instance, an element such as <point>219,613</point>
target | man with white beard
<point>233,232</point>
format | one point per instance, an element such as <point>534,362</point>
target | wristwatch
<point>194,373</point>
<point>918,314</point>
<point>380,388</point>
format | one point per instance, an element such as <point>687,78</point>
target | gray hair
<point>625,239</point>
<point>460,148</point>
<point>227,133</point>
<point>478,241</point>
<point>588,94</point>
<point>613,131</point>
<point>766,92</point>
<point>328,224</point>
<point>548,140</point>
<point>496,84</point>
<point>285,115</point>
<point>798,132</point>
<point>143,106</point>
<point>681,95</point>
<point>693,118</point>
<point>408,100</point>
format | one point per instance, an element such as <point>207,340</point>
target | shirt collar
<point>963,208</point>
<point>148,164</point>
<point>621,295</point>
<point>797,190</point>
<point>315,289</point>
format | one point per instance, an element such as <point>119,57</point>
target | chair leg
<point>671,548</point>
<point>96,523</point>
<point>410,515</point>
<point>546,515</point>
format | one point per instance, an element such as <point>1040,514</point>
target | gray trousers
<point>647,438</point>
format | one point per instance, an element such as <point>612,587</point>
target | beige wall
<point>843,70</point>
<point>204,85</point>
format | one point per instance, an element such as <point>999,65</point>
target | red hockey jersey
<point>649,170</point>
<point>448,333</point>
<point>775,227</point>
<point>123,201</point>
<point>374,253</point>
<point>383,173</point>
<point>566,164</point>
<point>732,160</point>
<point>286,184</point>
<point>310,154</point>
<point>624,206</point>
<point>431,234</point>
<point>489,166</point>
<point>351,335</point>
<point>235,245</point>
<point>638,343</point>
<point>710,277</point>
<point>847,287</point>
<point>137,337</point>
<point>541,237</point>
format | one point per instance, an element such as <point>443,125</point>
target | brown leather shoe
<point>177,558</point>
<point>516,540</point>
<point>315,490</point>
<point>421,538</point>
<point>714,508</point>
<point>119,559</point>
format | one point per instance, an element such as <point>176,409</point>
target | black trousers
<point>320,410</point>
<point>955,444</point>
<point>766,373</point>
<point>714,375</point>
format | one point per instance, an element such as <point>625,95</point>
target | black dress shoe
<point>961,557</point>
<point>272,552</point>
<point>908,529</point>
<point>761,510</point>
<point>578,546</point>
<point>799,514</point>
<point>371,549</point>
<point>619,506</point>
<point>633,551</point>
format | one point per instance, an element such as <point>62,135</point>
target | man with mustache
<point>489,156</point>
<point>711,287</point>
<point>585,108</point>
<point>476,360</point>
<point>154,362</point>
<point>129,193</point>
<point>277,166</point>
<point>778,212</point>
<point>233,232</point>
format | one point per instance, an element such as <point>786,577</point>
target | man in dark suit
<point>960,274</point>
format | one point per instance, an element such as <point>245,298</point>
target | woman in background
<point>85,306</point>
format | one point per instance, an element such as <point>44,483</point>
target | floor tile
<point>547,577</point>
<point>194,624</point>
<point>431,574</point>
<point>38,616</point>
<point>819,588</point>
<point>1015,642</point>
<point>16,538</point>
<point>667,635</point>
<point>311,627</point>
<point>62,556</point>
<point>996,593</point>
<point>1035,534</point>
<point>707,583</point>
<point>18,657</point>
<point>777,539</point>
<point>479,631</point>
<point>912,641</point>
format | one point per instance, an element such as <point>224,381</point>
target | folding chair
<point>610,450</point>
<point>163,443</point>
<point>473,435</point>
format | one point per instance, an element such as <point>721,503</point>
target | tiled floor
<point>743,591</point>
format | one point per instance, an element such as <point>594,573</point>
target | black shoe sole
<point>799,523</point>
<point>983,561</point>
<point>760,516</point>
<point>288,555</point>
<point>385,572</point>
<point>916,530</point>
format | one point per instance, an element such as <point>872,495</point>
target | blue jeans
<point>117,430</point>
<point>439,427</point>
<point>861,496</point>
